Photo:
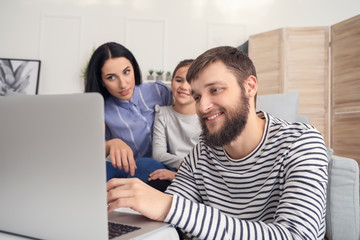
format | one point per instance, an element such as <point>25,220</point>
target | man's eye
<point>197,98</point>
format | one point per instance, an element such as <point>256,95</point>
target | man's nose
<point>204,105</point>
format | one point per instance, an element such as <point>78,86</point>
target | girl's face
<point>118,77</point>
<point>181,88</point>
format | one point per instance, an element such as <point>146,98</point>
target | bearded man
<point>251,176</point>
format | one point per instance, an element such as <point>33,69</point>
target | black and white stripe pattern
<point>276,192</point>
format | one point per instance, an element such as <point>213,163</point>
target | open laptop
<point>52,169</point>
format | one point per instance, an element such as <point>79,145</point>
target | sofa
<point>342,211</point>
<point>342,208</point>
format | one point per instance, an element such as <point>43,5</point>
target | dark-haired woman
<point>129,110</point>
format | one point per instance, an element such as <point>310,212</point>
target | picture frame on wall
<point>19,76</point>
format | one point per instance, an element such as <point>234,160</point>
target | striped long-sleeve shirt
<point>276,192</point>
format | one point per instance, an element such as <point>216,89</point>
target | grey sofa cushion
<point>283,105</point>
<point>342,216</point>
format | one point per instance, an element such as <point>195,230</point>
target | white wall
<point>160,33</point>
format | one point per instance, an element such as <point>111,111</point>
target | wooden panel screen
<point>296,59</point>
<point>307,71</point>
<point>265,50</point>
<point>345,88</point>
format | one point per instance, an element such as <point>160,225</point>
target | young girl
<point>129,110</point>
<point>176,127</point>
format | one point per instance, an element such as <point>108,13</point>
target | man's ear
<point>251,86</point>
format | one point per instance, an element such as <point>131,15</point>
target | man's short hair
<point>235,60</point>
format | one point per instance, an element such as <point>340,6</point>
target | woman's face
<point>118,78</point>
<point>180,87</point>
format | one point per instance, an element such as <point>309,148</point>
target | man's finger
<point>120,202</point>
<point>115,182</point>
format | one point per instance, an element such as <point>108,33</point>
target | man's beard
<point>235,120</point>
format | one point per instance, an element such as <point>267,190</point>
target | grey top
<point>174,136</point>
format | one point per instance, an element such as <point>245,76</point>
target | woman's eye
<point>111,77</point>
<point>127,71</point>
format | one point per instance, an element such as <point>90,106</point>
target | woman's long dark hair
<point>93,80</point>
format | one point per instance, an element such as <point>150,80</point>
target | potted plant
<point>84,69</point>
<point>150,76</point>
<point>159,75</point>
<point>168,76</point>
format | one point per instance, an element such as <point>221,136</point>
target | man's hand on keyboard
<point>137,195</point>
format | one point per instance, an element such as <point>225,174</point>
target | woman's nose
<point>121,83</point>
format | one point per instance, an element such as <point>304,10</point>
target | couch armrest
<point>342,211</point>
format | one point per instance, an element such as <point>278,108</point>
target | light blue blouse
<point>132,121</point>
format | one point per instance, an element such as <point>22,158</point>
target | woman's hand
<point>162,174</point>
<point>137,195</point>
<point>121,155</point>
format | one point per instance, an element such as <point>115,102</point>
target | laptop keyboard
<point>118,229</point>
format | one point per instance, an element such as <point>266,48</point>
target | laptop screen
<point>52,166</point>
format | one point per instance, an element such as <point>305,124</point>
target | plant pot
<point>159,78</point>
<point>150,77</point>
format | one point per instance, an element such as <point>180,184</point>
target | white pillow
<point>283,105</point>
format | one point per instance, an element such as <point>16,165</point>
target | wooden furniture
<point>345,88</point>
<point>296,59</point>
